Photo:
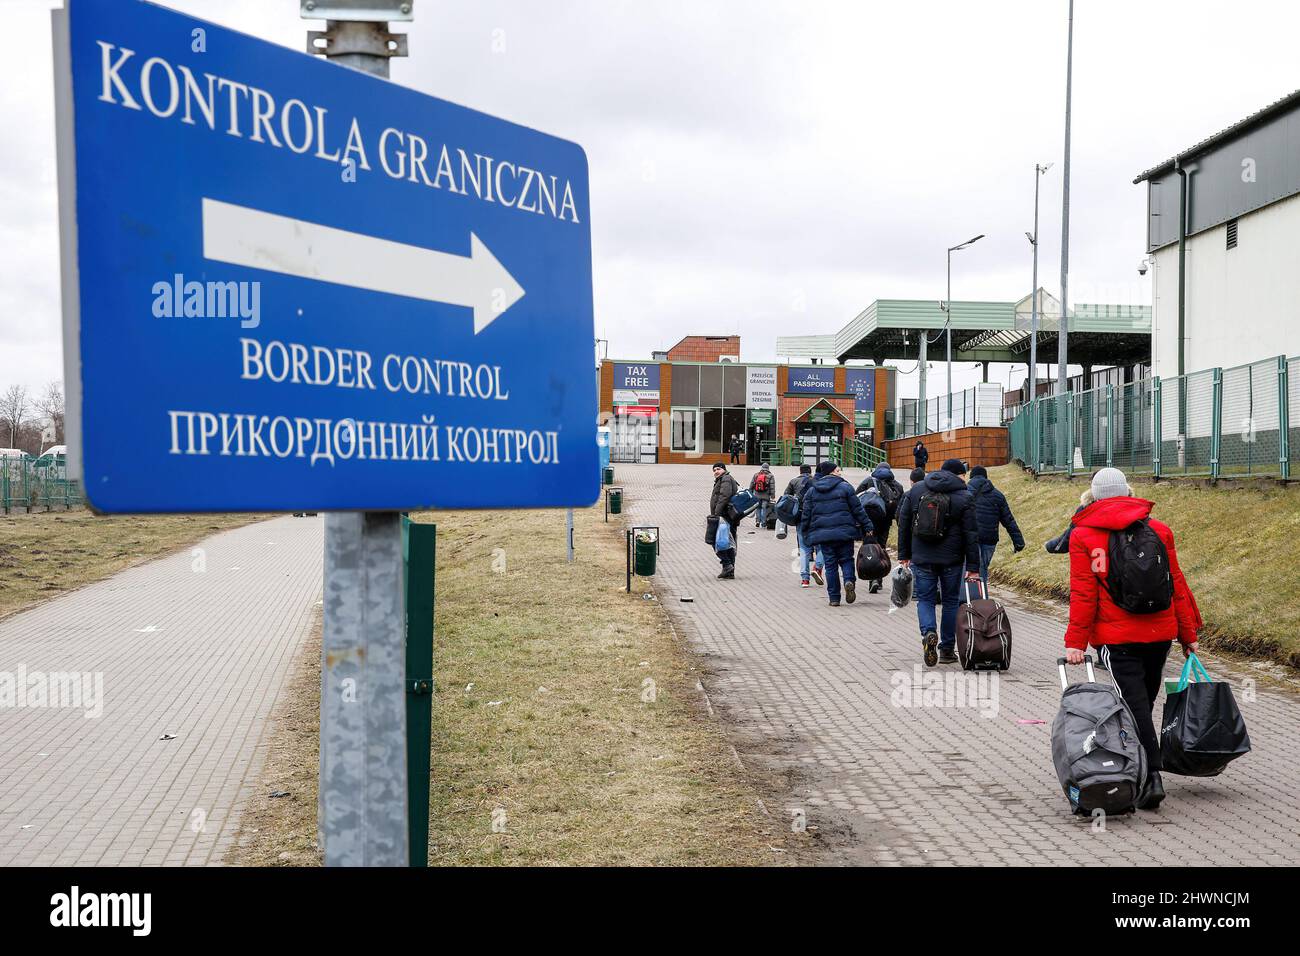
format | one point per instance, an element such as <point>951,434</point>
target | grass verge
<point>48,553</point>
<point>567,727</point>
<point>1236,546</point>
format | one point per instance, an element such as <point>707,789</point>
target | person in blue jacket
<point>991,510</point>
<point>832,518</point>
<point>937,563</point>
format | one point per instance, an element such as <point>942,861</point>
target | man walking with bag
<point>724,486</point>
<point>883,482</point>
<point>1128,599</point>
<point>991,510</point>
<point>937,537</point>
<point>832,518</point>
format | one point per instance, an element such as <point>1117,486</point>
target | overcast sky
<point>768,168</point>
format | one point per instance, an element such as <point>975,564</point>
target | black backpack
<point>930,521</point>
<point>888,491</point>
<point>1138,576</point>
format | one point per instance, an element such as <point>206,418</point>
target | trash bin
<point>647,549</point>
<point>609,475</point>
<point>616,501</point>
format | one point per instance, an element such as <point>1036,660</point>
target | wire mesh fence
<point>977,405</point>
<point>1233,422</point>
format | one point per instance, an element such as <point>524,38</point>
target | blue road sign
<point>289,285</point>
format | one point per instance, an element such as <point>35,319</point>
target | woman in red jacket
<point>1132,646</point>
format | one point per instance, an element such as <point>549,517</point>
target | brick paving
<point>813,695</point>
<point>199,654</point>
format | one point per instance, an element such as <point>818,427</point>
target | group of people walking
<point>949,527</point>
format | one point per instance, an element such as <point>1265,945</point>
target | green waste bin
<point>616,501</point>
<point>609,475</point>
<point>647,550</point>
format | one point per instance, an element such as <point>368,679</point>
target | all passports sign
<point>292,285</point>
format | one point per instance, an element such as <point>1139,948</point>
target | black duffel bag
<point>873,560</point>
<point>711,530</point>
<point>1202,730</point>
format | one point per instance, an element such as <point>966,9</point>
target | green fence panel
<point>1249,440</point>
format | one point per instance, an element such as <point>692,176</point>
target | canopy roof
<point>983,332</point>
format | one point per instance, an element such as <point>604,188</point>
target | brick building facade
<point>705,348</point>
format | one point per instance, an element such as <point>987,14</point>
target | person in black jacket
<point>920,454</point>
<point>724,486</point>
<point>937,562</point>
<point>991,510</point>
<point>832,517</point>
<point>736,447</point>
<point>881,481</point>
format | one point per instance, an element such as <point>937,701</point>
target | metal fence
<point>28,483</point>
<point>1233,422</point>
<point>976,405</point>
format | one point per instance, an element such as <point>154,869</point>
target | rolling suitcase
<point>983,633</point>
<point>1099,759</point>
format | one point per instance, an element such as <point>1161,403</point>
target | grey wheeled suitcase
<point>1099,759</point>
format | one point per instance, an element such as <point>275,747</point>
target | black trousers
<point>735,458</point>
<point>1137,669</point>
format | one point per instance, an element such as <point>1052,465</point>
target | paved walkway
<point>201,654</point>
<point>817,694</point>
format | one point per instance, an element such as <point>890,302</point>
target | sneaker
<point>728,573</point>
<point>817,576</point>
<point>947,657</point>
<point>780,535</point>
<point>930,648</point>
<point>850,591</point>
<point>835,603</point>
<point>875,588</point>
<point>803,583</point>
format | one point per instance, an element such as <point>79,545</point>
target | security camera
<point>1142,268</point>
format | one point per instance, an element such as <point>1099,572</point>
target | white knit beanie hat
<point>1109,483</point>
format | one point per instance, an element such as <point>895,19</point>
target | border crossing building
<point>686,405</point>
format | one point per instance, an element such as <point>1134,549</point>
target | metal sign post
<point>362,806</point>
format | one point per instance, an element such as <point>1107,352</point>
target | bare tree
<point>50,405</point>
<point>13,407</point>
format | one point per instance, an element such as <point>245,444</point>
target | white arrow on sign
<point>263,240</point>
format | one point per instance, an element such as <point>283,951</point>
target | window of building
<point>710,388</point>
<point>712,444</point>
<point>1232,233</point>
<point>733,386</point>
<point>685,429</point>
<point>686,385</point>
<point>733,423</point>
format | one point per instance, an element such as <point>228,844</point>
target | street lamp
<point>947,308</point>
<point>1062,348</point>
<point>1033,315</point>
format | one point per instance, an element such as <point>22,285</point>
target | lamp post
<point>1033,314</point>
<point>947,308</point>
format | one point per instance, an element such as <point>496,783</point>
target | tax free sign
<point>289,285</point>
